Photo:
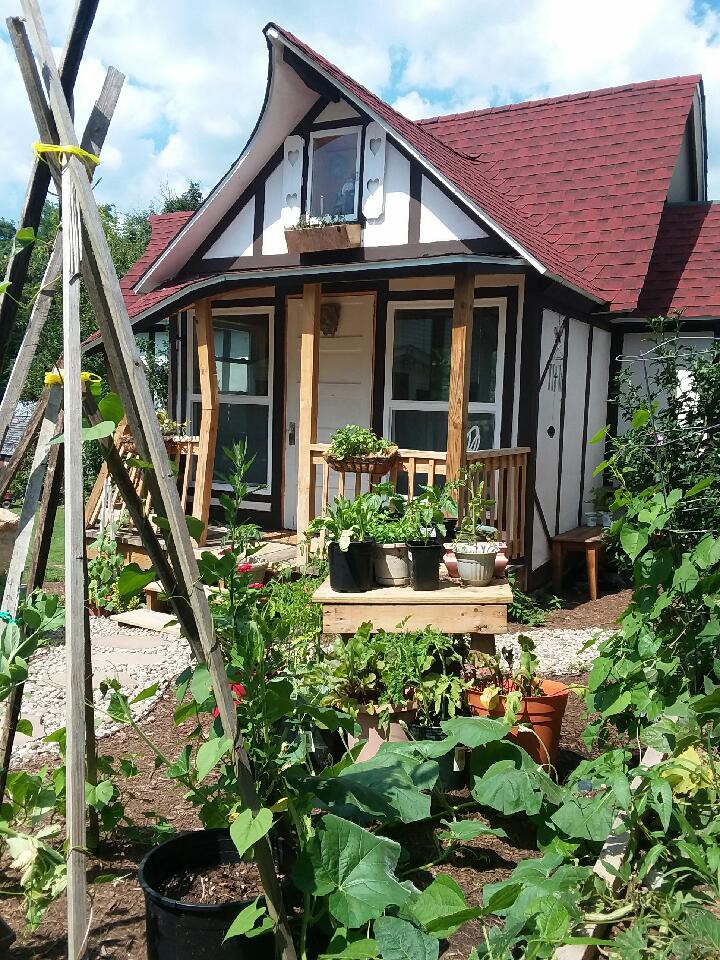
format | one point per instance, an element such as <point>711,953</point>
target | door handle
<point>291,433</point>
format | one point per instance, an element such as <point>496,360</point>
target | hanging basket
<point>376,464</point>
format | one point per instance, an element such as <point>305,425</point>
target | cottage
<point>480,277</point>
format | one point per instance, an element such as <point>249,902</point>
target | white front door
<point>344,384</point>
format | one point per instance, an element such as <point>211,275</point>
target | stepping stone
<point>132,640</point>
<point>148,620</point>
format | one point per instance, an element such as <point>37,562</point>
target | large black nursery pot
<point>453,767</point>
<point>190,931</point>
<point>425,564</point>
<point>351,570</point>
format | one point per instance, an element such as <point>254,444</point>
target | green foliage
<point>531,609</point>
<point>354,441</point>
<point>468,488</point>
<point>112,585</point>
<point>36,621</point>
<point>346,521</point>
<point>427,511</point>
<point>243,539</point>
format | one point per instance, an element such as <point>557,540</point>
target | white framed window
<point>334,173</point>
<point>417,375</point>
<point>243,338</point>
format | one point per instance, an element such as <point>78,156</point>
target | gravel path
<point>559,651</point>
<point>137,658</point>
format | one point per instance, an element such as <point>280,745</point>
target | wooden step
<point>148,620</point>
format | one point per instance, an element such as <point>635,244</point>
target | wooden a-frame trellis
<point>85,252</point>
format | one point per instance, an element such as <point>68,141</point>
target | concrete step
<point>148,620</point>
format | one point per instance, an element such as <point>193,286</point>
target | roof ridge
<point>564,98</point>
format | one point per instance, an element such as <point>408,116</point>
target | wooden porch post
<point>307,425</point>
<point>209,414</point>
<point>462,324</point>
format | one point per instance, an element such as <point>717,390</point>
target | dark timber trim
<point>359,120</point>
<point>530,397</point>
<point>561,428</point>
<point>247,302</point>
<point>416,175</point>
<point>583,450</point>
<point>258,219</point>
<point>278,408</point>
<point>379,349</point>
<point>173,378</point>
<point>509,349</point>
<point>617,340</point>
<point>185,343</point>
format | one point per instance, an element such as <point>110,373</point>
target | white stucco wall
<point>441,219</point>
<point>237,240</point>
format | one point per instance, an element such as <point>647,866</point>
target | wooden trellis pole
<point>123,356</point>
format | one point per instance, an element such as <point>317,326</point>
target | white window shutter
<point>292,180</point>
<point>373,186</point>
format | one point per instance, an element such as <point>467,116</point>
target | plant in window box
<point>426,515</point>
<point>476,543</point>
<point>355,449</point>
<point>347,525</point>
<point>315,234</point>
<point>535,706</point>
<point>390,529</point>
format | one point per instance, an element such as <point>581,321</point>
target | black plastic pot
<point>189,931</point>
<point>425,565</point>
<point>450,524</point>
<point>351,571</point>
<point>453,768</point>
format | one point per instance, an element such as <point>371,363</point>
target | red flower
<point>255,586</point>
<point>238,692</point>
<point>244,567</point>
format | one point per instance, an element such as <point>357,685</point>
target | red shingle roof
<point>164,227</point>
<point>684,271</point>
<point>593,167</point>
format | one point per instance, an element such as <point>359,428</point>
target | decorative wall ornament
<point>292,180</point>
<point>373,200</point>
<point>329,318</point>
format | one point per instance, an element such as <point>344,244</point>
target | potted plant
<point>195,885</point>
<point>535,706</point>
<point>357,669</point>
<point>476,543</point>
<point>315,234</point>
<point>347,525</point>
<point>355,449</point>
<point>426,523</point>
<point>104,570</point>
<point>389,530</point>
<point>425,667</point>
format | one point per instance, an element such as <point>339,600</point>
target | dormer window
<point>334,173</point>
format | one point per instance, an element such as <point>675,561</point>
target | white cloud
<point>196,71</point>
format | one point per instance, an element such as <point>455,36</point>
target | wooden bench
<point>587,540</point>
<point>454,608</point>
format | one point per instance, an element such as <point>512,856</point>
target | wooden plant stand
<point>587,540</point>
<point>480,612</point>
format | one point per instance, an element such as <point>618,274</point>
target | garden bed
<point>118,907</point>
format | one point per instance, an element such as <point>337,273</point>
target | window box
<point>326,236</point>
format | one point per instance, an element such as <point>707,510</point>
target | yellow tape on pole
<point>67,149</point>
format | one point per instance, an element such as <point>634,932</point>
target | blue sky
<point>196,71</point>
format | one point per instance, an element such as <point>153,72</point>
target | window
<point>419,376</point>
<point>243,351</point>
<point>334,173</point>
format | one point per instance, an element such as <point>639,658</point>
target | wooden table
<point>587,540</point>
<point>454,608</point>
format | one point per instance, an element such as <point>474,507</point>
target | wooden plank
<point>449,592</point>
<point>450,618</point>
<point>75,828</point>
<point>210,412</point>
<point>462,325</point>
<point>34,201</point>
<point>123,357</point>
<point>307,420</point>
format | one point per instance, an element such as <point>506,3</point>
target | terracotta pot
<point>501,560</point>
<point>545,712</point>
<point>370,730</point>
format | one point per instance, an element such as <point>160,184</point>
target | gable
<point>441,219</point>
<point>341,110</point>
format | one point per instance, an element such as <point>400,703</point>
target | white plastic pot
<point>391,564</point>
<point>476,562</point>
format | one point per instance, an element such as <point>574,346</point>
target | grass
<point>56,557</point>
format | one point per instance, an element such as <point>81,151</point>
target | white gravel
<point>137,658</point>
<point>559,651</point>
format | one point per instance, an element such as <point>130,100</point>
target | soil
<point>223,883</point>
<point>580,613</point>
<point>118,908</point>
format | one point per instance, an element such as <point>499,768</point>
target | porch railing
<point>504,473</point>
